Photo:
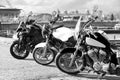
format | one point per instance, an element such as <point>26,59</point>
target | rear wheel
<point>38,56</point>
<point>63,62</point>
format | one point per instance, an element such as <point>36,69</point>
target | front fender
<point>43,44</point>
<point>15,37</point>
<point>15,41</point>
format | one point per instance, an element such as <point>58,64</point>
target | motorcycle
<point>45,53</point>
<point>22,44</point>
<point>93,52</point>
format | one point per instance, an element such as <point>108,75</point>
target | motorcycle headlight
<point>15,36</point>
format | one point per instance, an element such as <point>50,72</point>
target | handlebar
<point>57,27</point>
<point>90,22</point>
<point>55,19</point>
<point>27,17</point>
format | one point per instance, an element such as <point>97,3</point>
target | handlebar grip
<point>96,17</point>
<point>93,19</point>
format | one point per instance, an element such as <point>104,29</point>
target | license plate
<point>118,53</point>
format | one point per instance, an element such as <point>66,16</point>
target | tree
<point>87,12</point>
<point>77,12</point>
<point>66,12</point>
<point>112,17</point>
<point>117,16</point>
<point>59,12</point>
<point>95,10</point>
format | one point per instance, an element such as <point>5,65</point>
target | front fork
<point>45,49</point>
<point>75,53</point>
<point>74,56</point>
<point>21,44</point>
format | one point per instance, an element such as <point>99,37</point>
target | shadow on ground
<point>95,76</point>
<point>29,59</point>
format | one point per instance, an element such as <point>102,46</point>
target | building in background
<point>7,12</point>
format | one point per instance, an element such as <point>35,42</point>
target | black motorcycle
<point>44,53</point>
<point>92,50</point>
<point>25,39</point>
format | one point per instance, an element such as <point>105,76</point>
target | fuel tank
<point>97,40</point>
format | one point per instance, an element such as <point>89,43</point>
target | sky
<point>41,6</point>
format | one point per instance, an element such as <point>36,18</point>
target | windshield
<point>21,26</point>
<point>80,27</point>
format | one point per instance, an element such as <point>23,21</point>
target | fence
<point>7,33</point>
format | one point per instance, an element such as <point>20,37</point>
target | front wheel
<point>38,56</point>
<point>16,53</point>
<point>63,61</point>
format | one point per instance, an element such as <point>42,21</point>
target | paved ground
<point>28,69</point>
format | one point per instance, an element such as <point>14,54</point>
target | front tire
<point>37,55</point>
<point>18,54</point>
<point>63,61</point>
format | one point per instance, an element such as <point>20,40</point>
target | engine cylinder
<point>92,55</point>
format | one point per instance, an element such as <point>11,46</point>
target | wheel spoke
<point>65,60</point>
<point>47,58</point>
<point>17,52</point>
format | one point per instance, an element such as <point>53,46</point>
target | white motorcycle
<point>57,38</point>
